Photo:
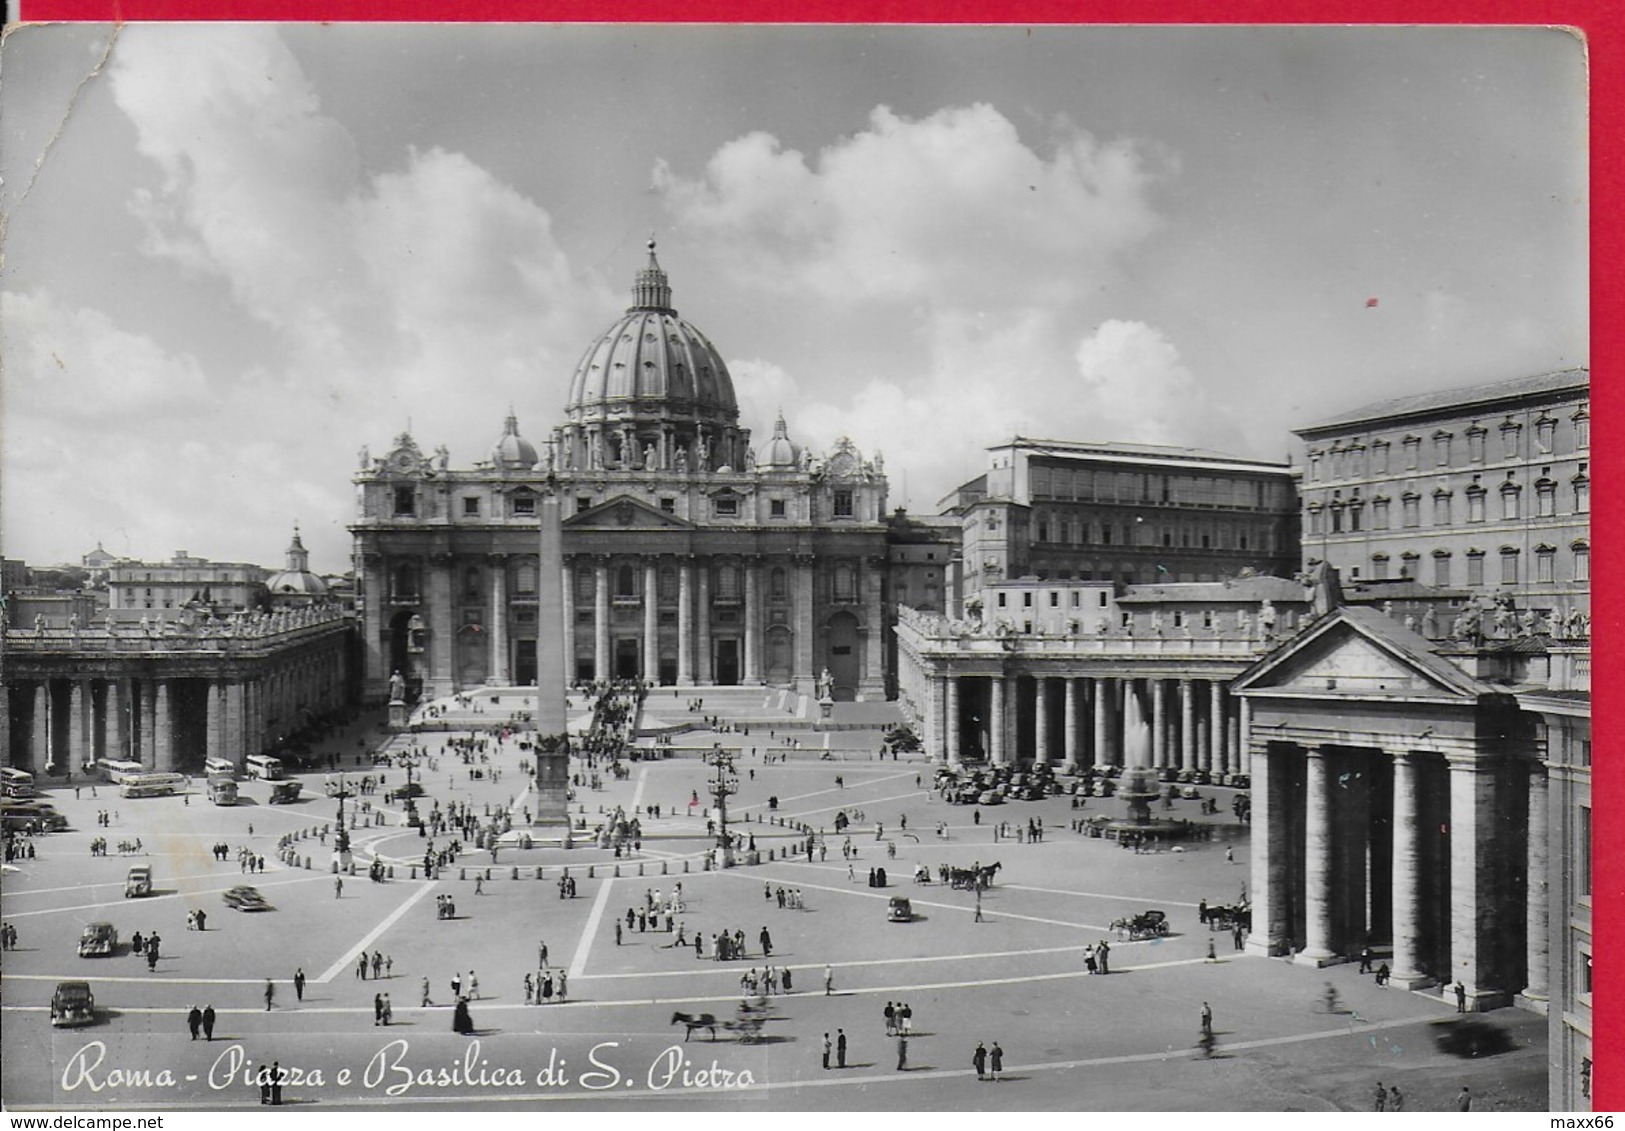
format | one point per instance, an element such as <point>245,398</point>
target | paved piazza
<point>1124,1041</point>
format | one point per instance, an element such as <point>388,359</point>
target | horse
<point>695,1021</point>
<point>985,874</point>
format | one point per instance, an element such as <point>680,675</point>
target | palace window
<point>471,506</point>
<point>1475,567</point>
<point>404,583</point>
<point>1545,432</point>
<point>1407,564</point>
<point>778,583</point>
<point>1314,467</point>
<point>1441,508</point>
<point>1511,434</point>
<point>727,583</point>
<point>1337,521</point>
<point>1379,513</point>
<point>1441,569</point>
<point>586,583</point>
<point>1356,461</point>
<point>583,503</point>
<point>1511,494</point>
<point>725,506</point>
<point>1379,567</point>
<point>1509,565</point>
<point>668,505</point>
<point>1316,519</point>
<point>668,584</point>
<point>471,582</point>
<point>1441,449</point>
<point>843,504</point>
<point>1475,503</point>
<point>625,581</point>
<point>1379,457</point>
<point>1582,430</point>
<point>1582,561</point>
<point>1545,496</point>
<point>1475,444</point>
<point>524,504</point>
<point>1413,451</point>
<point>1582,492</point>
<point>524,579</point>
<point>1412,505</point>
<point>1545,564</point>
<point>775,508</point>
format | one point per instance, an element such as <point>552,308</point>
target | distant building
<point>1061,510</point>
<point>295,585</point>
<point>135,588</point>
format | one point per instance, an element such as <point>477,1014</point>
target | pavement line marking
<point>1095,895</point>
<point>819,793</point>
<point>578,962</point>
<point>151,899</point>
<point>387,922</point>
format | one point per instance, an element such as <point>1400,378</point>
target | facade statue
<point>1430,623</point>
<point>651,461</point>
<point>704,453</point>
<point>595,452</point>
<point>73,623</point>
<point>547,456</point>
<point>682,458</point>
<point>397,688</point>
<point>1266,618</point>
<point>365,458</point>
<point>39,624</point>
<point>1156,622</point>
<point>750,459</point>
<point>110,624</point>
<point>1410,622</point>
<point>442,457</point>
<point>806,459</point>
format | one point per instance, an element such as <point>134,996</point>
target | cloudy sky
<point>234,255</point>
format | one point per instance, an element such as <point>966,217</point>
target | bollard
<point>516,871</point>
<point>391,871</point>
<point>617,871</point>
<point>592,872</point>
<point>462,873</point>
<point>707,860</point>
<point>352,867</point>
<point>663,868</point>
<point>488,873</point>
<point>414,874</point>
<point>685,865</point>
<point>335,867</point>
<point>640,868</point>
<point>538,873</point>
<point>307,863</point>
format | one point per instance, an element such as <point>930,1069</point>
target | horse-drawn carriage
<point>1229,916</point>
<point>1145,925</point>
<point>975,878</point>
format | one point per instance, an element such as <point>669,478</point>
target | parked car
<point>991,797</point>
<point>138,882</point>
<point>245,898</point>
<point>73,1004</point>
<point>899,910</point>
<point>98,941</point>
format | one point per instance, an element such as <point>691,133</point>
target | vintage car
<point>138,882</point>
<point>73,1004</point>
<point>899,910</point>
<point>285,792</point>
<point>991,797</point>
<point>98,940</point>
<point>245,898</point>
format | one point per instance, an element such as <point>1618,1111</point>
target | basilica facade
<point>690,555</point>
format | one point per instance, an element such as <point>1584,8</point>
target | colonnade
<point>1179,723</point>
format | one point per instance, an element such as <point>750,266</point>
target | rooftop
<point>1115,450</point>
<point>1421,404</point>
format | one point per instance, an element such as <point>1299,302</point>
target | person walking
<point>979,1059</point>
<point>891,1018</point>
<point>425,1003</point>
<point>270,994</point>
<point>194,1021</point>
<point>1103,956</point>
<point>1380,1099</point>
<point>827,1046</point>
<point>1464,1098</point>
<point>299,983</point>
<point>1461,1005</point>
<point>1207,1019</point>
<point>338,887</point>
<point>840,1051</point>
<point>457,984</point>
<point>1396,1099</point>
<point>377,1009</point>
<point>902,1052</point>
<point>208,1023</point>
<point>995,1061</point>
<point>829,980</point>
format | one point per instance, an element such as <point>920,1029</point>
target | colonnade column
<point>1244,744</point>
<point>685,615</point>
<point>702,637</point>
<point>1216,727</point>
<point>233,737</point>
<point>951,743</point>
<point>1187,726</point>
<point>651,622</point>
<point>1069,722</point>
<point>996,694</point>
<point>147,696</point>
<point>1271,933</point>
<point>1407,902</point>
<point>1159,723</point>
<point>115,723</point>
<point>1473,829</point>
<point>163,728</point>
<point>213,718</point>
<point>1102,697</point>
<point>1040,720</point>
<point>498,667</point>
<point>933,694</point>
<point>1317,856</point>
<point>600,618</point>
<point>1536,962</point>
<point>76,725</point>
<point>40,736</point>
<point>753,622</point>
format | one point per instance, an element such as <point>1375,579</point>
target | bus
<point>151,785</point>
<point>116,771</point>
<point>222,790</point>
<point>16,783</point>
<point>31,817</point>
<point>264,766</point>
<point>216,767</point>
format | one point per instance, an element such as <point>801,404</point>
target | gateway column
<point>702,638</point>
<point>1187,726</point>
<point>1536,944</point>
<point>1272,927</point>
<point>499,621</point>
<point>40,732</point>
<point>1069,722</point>
<point>1040,720</point>
<point>1317,858</point>
<point>1407,913</point>
<point>996,693</point>
<point>76,725</point>
<point>567,618</point>
<point>753,622</point>
<point>1102,694</point>
<point>163,729</point>
<point>115,722</point>
<point>212,719</point>
<point>1159,723</point>
<point>1216,727</point>
<point>1472,879</point>
<point>951,744</point>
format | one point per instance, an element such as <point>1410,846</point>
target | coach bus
<point>215,767</point>
<point>116,771</point>
<point>222,790</point>
<point>263,766</point>
<point>16,783</point>
<point>151,785</point>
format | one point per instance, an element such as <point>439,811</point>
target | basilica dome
<point>779,453</point>
<point>511,449</point>
<point>651,365</point>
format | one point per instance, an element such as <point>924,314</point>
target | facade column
<point>872,680</point>
<point>213,718</point>
<point>651,622</point>
<point>1040,720</point>
<point>685,606</point>
<point>163,728</point>
<point>702,636</point>
<point>1473,902</point>
<point>442,632</point>
<point>1244,744</point>
<point>1317,858</point>
<point>76,725</point>
<point>115,722</point>
<point>567,619</point>
<point>753,621</point>
<point>996,704</point>
<point>1102,696</point>
<point>930,700</point>
<point>1271,866</point>
<point>233,747</point>
<point>1407,902</point>
<point>1159,723</point>
<point>804,676</point>
<point>600,618</point>
<point>1069,722</point>
<point>951,745</point>
<point>1537,942</point>
<point>1187,726</point>
<point>498,668</point>
<point>40,734</point>
<point>1216,726</point>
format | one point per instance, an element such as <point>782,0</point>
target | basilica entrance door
<point>626,659</point>
<point>843,656</point>
<point>524,663</point>
<point>726,653</point>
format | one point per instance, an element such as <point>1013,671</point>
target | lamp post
<point>725,784</point>
<point>341,839</point>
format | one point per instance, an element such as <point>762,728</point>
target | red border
<point>1601,21</point>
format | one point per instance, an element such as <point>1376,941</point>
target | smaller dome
<point>511,449</point>
<point>779,454</point>
<point>296,580</point>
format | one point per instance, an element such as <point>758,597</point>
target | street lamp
<point>725,784</point>
<point>341,839</point>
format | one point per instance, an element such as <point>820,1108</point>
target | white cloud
<point>1142,389</point>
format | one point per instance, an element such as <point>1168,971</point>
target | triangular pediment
<point>624,513</point>
<point>1353,656</point>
